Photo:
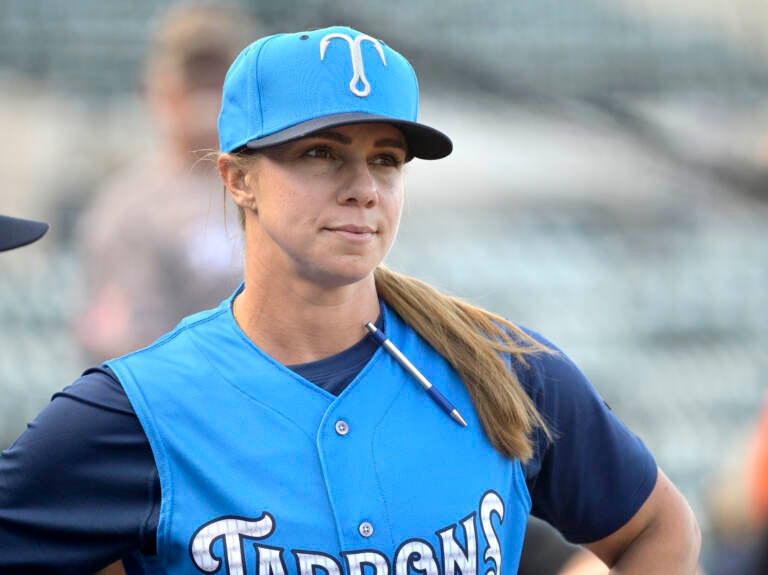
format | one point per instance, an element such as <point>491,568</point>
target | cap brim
<point>423,142</point>
<point>16,232</point>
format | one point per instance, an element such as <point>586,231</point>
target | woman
<point>282,433</point>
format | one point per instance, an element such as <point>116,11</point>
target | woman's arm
<point>599,485</point>
<point>77,487</point>
<point>662,538</point>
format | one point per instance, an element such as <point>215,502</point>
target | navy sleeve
<point>78,489</point>
<point>595,474</point>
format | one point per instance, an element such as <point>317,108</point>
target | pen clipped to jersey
<point>431,390</point>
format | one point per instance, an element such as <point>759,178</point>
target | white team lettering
<point>270,560</point>
<point>358,559</point>
<point>491,504</point>
<point>417,555</point>
<point>230,529</point>
<point>413,555</point>
<point>308,563</point>
<point>454,557</point>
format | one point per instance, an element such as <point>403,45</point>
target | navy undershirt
<point>86,461</point>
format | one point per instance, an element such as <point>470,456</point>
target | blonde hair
<point>475,342</point>
<point>478,344</point>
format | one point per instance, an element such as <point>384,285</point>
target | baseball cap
<point>287,86</point>
<point>16,232</point>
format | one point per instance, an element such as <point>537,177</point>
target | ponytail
<point>473,341</point>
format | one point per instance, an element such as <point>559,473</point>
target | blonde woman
<point>332,416</point>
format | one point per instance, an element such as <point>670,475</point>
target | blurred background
<point>608,188</point>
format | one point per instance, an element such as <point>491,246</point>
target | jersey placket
<point>345,447</point>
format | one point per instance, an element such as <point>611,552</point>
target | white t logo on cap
<point>358,71</point>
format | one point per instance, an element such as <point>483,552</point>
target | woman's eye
<point>388,160</point>
<point>320,152</point>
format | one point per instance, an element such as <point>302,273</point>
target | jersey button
<point>341,427</point>
<point>365,529</point>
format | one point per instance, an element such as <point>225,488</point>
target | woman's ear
<point>238,181</point>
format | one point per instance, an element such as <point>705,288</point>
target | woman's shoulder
<point>551,377</point>
<point>591,452</point>
<point>81,444</point>
<point>99,387</point>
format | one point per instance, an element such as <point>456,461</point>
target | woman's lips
<point>353,233</point>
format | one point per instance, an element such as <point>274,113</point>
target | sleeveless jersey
<point>264,473</point>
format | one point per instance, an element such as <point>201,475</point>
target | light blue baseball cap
<point>287,86</point>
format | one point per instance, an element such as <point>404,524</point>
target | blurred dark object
<point>545,551</point>
<point>17,232</point>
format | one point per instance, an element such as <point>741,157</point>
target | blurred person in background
<point>737,506</point>
<point>757,490</point>
<point>152,242</point>
<point>156,242</point>
<point>756,469</point>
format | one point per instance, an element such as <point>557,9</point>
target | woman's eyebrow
<point>342,139</point>
<point>330,135</point>
<point>390,143</point>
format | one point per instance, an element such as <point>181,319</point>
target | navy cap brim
<point>423,142</point>
<point>17,232</point>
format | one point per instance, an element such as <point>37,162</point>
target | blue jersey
<point>263,472</point>
<point>80,487</point>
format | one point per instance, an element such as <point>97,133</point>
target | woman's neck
<point>302,323</point>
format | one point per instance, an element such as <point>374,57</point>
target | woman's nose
<point>360,186</point>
